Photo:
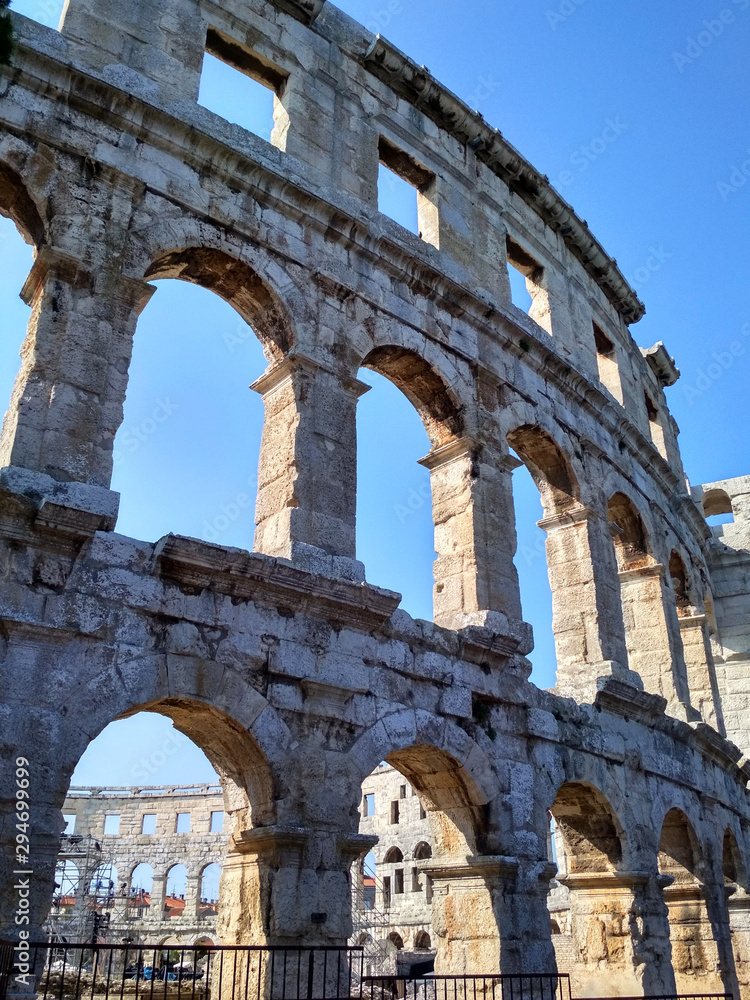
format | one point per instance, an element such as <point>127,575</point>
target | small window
<point>416,885</point>
<point>398,881</point>
<point>406,192</point>
<point>528,284</point>
<point>148,824</point>
<point>70,823</point>
<point>402,792</point>
<point>428,889</point>
<point>183,823</point>
<point>422,811</point>
<point>369,804</point>
<point>217,822</point>
<point>111,825</point>
<point>394,811</point>
<point>387,892</point>
<point>240,85</point>
<point>606,359</point>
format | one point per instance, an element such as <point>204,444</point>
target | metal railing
<point>466,987</point>
<point>149,972</point>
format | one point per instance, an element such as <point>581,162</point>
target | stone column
<point>468,899</point>
<point>586,609</point>
<point>621,934</point>
<point>307,477</point>
<point>696,955</point>
<point>192,898</point>
<point>475,534</point>
<point>67,401</point>
<point>701,673</point>
<point>651,650</point>
<point>739,921</point>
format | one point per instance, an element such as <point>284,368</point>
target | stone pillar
<point>67,401</point>
<point>524,921</point>
<point>475,534</point>
<point>739,921</point>
<point>307,477</point>
<point>701,673</point>
<point>651,649</point>
<point>696,955</point>
<point>468,898</point>
<point>192,898</point>
<point>586,609</point>
<point>621,934</point>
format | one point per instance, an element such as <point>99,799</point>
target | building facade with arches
<point>293,673</point>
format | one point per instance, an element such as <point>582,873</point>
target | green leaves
<point>6,34</point>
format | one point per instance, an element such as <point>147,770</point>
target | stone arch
<point>393,856</point>
<point>17,204</point>
<point>396,940</point>
<point>590,831</point>
<point>549,466</point>
<point>238,283</point>
<point>715,502</point>
<point>422,941</point>
<point>629,533</point>
<point>422,851</point>
<point>436,403</point>
<point>680,855</point>
<point>732,862</point>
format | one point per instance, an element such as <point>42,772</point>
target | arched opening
<point>591,907</point>
<point>422,941</point>
<point>717,508</point>
<point>397,499</point>
<point>653,650</point>
<point>175,891</point>
<point>396,940</point>
<point>209,890</point>
<point>679,577</point>
<point>21,234</point>
<point>191,760</point>
<point>555,566</point>
<point>189,417</point>
<point>738,900</point>
<point>732,863</point>
<point>424,791</point>
<point>695,957</point>
<point>141,889</point>
<point>67,882</point>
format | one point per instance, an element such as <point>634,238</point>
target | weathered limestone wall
<point>295,676</point>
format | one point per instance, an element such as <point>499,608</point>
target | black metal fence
<point>148,972</point>
<point>466,987</point>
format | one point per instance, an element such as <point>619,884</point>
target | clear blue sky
<point>668,189</point>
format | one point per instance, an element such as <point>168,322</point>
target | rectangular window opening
<point>422,811</point>
<point>606,359</point>
<point>217,821</point>
<point>112,824</point>
<point>368,807</point>
<point>655,425</point>
<point>70,823</point>
<point>398,881</point>
<point>416,885</point>
<point>183,823</point>
<point>394,811</point>
<point>406,192</point>
<point>527,283</point>
<point>402,791</point>
<point>387,892</point>
<point>148,824</point>
<point>241,86</point>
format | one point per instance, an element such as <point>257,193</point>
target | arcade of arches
<point>619,797</point>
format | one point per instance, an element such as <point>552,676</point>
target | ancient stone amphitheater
<point>293,674</point>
